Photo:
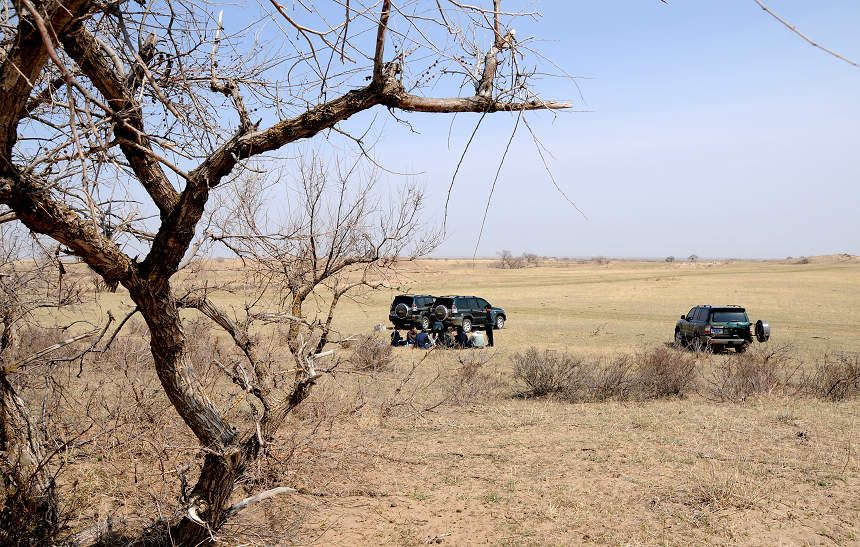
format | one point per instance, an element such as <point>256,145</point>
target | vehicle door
<point>469,305</point>
<point>480,312</point>
<point>687,323</point>
<point>701,320</point>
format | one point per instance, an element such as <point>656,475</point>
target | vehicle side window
<point>482,303</point>
<point>691,315</point>
<point>703,314</point>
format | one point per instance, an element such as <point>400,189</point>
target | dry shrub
<point>613,380</point>
<point>471,382</point>
<point>371,353</point>
<point>762,370</point>
<point>663,372</point>
<point>550,372</point>
<point>660,372</point>
<point>837,377</point>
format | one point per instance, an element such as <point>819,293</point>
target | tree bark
<point>174,367</point>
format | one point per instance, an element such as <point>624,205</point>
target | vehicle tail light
<point>453,308</point>
<point>752,330</point>
<point>707,329</point>
<point>414,307</point>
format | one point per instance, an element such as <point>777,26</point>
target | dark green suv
<point>411,309</point>
<point>718,327</point>
<point>468,312</point>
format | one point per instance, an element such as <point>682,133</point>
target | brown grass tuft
<point>371,353</point>
<point>471,382</point>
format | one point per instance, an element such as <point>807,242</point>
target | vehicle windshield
<point>402,300</point>
<point>729,316</point>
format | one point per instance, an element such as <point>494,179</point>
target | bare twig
<point>813,43</point>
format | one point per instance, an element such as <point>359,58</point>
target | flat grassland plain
<point>505,470</point>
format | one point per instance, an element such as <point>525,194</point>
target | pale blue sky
<point>711,129</point>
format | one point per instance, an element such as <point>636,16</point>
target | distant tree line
<point>507,260</point>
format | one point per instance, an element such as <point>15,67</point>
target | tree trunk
<point>225,458</point>
<point>210,497</point>
<point>175,369</point>
<point>29,514</point>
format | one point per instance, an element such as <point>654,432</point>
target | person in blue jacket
<point>422,340</point>
<point>397,339</point>
<point>462,339</point>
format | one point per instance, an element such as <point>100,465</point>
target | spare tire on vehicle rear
<point>440,312</point>
<point>400,310</point>
<point>762,330</point>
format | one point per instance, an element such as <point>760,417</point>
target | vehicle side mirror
<point>682,317</point>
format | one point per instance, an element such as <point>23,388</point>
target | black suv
<point>719,327</point>
<point>411,309</point>
<point>467,312</point>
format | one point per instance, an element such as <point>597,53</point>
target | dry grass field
<point>628,304</point>
<point>419,453</point>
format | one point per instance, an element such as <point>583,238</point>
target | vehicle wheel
<point>762,330</point>
<point>467,324</point>
<point>425,322</point>
<point>742,348</point>
<point>400,310</point>
<point>679,339</point>
<point>500,322</point>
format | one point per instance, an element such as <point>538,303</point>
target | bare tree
<point>507,260</point>
<point>341,238</point>
<point>114,136</point>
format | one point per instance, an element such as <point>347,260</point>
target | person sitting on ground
<point>440,337</point>
<point>462,339</point>
<point>445,339</point>
<point>410,336</point>
<point>438,328</point>
<point>422,340</point>
<point>397,339</point>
